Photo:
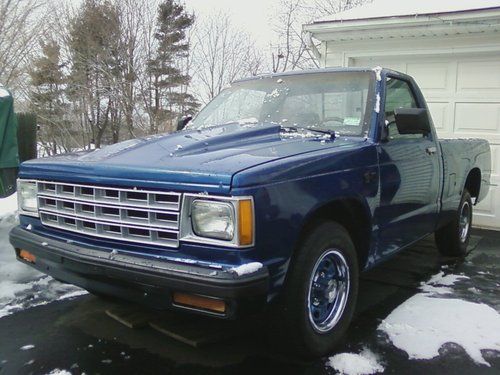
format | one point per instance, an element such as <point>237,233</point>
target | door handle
<point>431,150</point>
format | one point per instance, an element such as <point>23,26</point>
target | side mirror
<point>412,121</point>
<point>183,121</point>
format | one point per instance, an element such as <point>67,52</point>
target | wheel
<point>320,291</point>
<point>452,239</point>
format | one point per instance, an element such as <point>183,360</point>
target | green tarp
<point>9,159</point>
<point>8,131</point>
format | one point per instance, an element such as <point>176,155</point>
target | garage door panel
<point>391,65</point>
<point>440,112</point>
<point>377,61</point>
<point>487,212</point>
<point>432,78</point>
<point>495,160</point>
<point>487,206</point>
<point>478,76</point>
<point>477,117</point>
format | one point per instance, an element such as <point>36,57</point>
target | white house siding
<point>460,78</point>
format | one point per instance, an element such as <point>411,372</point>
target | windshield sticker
<point>352,121</point>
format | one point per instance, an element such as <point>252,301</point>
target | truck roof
<point>318,70</point>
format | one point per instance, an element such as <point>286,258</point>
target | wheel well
<point>473,182</point>
<point>351,214</point>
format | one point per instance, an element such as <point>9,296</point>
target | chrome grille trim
<point>132,215</point>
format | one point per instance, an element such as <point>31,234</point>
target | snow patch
<point>3,93</point>
<point>8,207</point>
<point>27,347</point>
<point>59,372</point>
<point>446,280</point>
<point>377,104</point>
<point>364,363</point>
<point>435,289</point>
<point>440,283</point>
<point>76,293</point>
<point>304,133</point>
<point>248,268</point>
<point>274,94</point>
<point>35,293</point>
<point>9,289</point>
<point>423,324</point>
<point>22,287</point>
<point>248,121</point>
<point>378,72</point>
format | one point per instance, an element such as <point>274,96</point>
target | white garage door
<point>463,94</point>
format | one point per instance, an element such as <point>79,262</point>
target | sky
<point>254,16</point>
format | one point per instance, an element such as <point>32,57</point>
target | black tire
<point>299,333</point>
<point>452,239</point>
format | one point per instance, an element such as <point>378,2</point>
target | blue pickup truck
<point>275,196</point>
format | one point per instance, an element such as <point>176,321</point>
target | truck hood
<point>188,160</point>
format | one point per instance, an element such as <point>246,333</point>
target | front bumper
<point>142,280</point>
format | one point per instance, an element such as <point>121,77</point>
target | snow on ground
<point>59,372</point>
<point>425,322</point>
<point>446,280</point>
<point>441,283</point>
<point>8,207</point>
<point>21,286</point>
<point>364,363</point>
<point>3,93</point>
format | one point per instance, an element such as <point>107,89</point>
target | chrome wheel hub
<point>464,222</point>
<point>328,290</point>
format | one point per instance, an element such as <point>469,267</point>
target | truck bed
<point>459,157</point>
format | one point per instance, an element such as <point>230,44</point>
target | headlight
<point>27,197</point>
<point>213,219</point>
<point>216,220</point>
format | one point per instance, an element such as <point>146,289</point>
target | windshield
<point>333,101</point>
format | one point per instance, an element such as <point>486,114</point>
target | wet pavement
<point>77,335</point>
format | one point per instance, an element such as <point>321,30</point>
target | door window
<point>398,95</point>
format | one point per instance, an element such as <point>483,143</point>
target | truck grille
<point>142,216</point>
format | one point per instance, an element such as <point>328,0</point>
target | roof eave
<point>323,28</point>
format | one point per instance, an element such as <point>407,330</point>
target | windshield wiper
<point>331,133</point>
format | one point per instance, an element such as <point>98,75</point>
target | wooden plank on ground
<point>130,316</point>
<point>197,331</point>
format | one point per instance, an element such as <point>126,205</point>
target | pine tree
<point>47,99</point>
<point>168,82</point>
<point>96,68</point>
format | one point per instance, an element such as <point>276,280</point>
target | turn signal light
<point>199,302</point>
<point>246,222</point>
<point>27,256</point>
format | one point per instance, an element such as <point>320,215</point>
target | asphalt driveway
<point>76,335</point>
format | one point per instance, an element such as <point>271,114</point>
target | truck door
<point>409,176</point>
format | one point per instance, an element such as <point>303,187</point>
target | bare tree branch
<point>221,54</point>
